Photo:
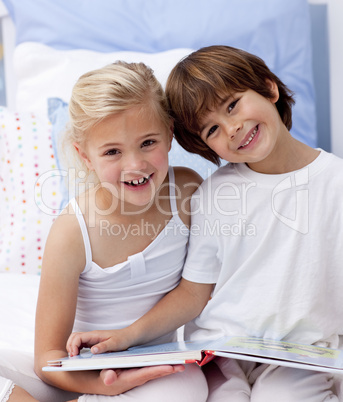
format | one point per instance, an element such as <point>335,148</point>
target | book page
<point>309,354</point>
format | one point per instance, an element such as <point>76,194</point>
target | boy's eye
<point>232,105</point>
<point>148,142</point>
<point>211,130</point>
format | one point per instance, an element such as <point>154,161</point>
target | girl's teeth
<point>136,182</point>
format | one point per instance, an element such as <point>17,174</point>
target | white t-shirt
<point>273,244</point>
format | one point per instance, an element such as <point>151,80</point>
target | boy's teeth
<point>250,138</point>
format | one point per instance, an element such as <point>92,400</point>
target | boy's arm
<point>178,307</point>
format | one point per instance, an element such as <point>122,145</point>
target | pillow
<point>276,30</point>
<point>58,115</point>
<point>44,72</point>
<point>29,196</point>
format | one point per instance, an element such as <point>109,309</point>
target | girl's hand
<point>130,378</point>
<point>99,341</point>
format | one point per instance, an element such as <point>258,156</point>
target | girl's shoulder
<point>66,225</point>
<point>64,247</point>
<point>186,183</point>
<point>186,180</point>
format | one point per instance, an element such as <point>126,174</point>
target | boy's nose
<point>233,129</point>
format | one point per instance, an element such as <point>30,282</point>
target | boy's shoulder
<point>223,173</point>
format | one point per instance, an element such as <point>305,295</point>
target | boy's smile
<point>250,137</point>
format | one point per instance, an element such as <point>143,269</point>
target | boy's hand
<point>99,341</point>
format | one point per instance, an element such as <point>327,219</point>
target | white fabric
<point>18,297</point>
<point>242,381</point>
<point>275,253</point>
<point>6,387</point>
<point>126,291</point>
<point>18,367</point>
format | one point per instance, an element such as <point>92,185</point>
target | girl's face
<point>244,128</point>
<point>129,153</point>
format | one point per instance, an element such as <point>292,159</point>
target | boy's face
<point>244,128</point>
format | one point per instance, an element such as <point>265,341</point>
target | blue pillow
<point>58,116</point>
<point>276,30</point>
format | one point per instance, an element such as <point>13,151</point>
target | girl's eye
<point>148,142</point>
<point>112,152</point>
<point>232,105</point>
<point>212,130</point>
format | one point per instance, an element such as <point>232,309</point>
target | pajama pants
<point>243,381</point>
<point>188,386</point>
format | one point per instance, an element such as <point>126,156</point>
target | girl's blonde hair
<point>107,91</point>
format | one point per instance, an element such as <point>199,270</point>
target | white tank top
<point>114,297</point>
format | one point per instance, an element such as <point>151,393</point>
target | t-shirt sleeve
<point>202,264</point>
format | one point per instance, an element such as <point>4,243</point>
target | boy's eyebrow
<point>219,104</point>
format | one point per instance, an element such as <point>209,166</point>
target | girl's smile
<point>138,182</point>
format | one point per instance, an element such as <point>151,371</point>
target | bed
<point>48,45</point>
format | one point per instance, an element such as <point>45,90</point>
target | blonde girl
<point>118,247</point>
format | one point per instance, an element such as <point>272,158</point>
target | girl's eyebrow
<point>119,144</point>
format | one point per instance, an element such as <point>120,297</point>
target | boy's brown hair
<point>199,82</point>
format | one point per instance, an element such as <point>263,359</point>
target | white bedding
<point>18,296</point>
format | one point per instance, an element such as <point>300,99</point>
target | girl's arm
<point>63,262</point>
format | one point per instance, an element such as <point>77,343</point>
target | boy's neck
<point>289,155</point>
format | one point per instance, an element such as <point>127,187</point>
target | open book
<point>200,352</point>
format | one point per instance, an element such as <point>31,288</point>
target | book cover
<point>243,348</point>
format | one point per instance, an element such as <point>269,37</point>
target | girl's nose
<point>134,161</point>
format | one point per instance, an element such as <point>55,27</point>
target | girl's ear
<point>273,89</point>
<point>83,155</point>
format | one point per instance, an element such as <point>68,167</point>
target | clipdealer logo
<point>300,222</point>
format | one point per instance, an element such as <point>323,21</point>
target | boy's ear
<point>272,85</point>
<point>171,134</point>
<point>83,155</point>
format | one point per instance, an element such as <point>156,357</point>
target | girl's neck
<point>289,155</point>
<point>128,213</point>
